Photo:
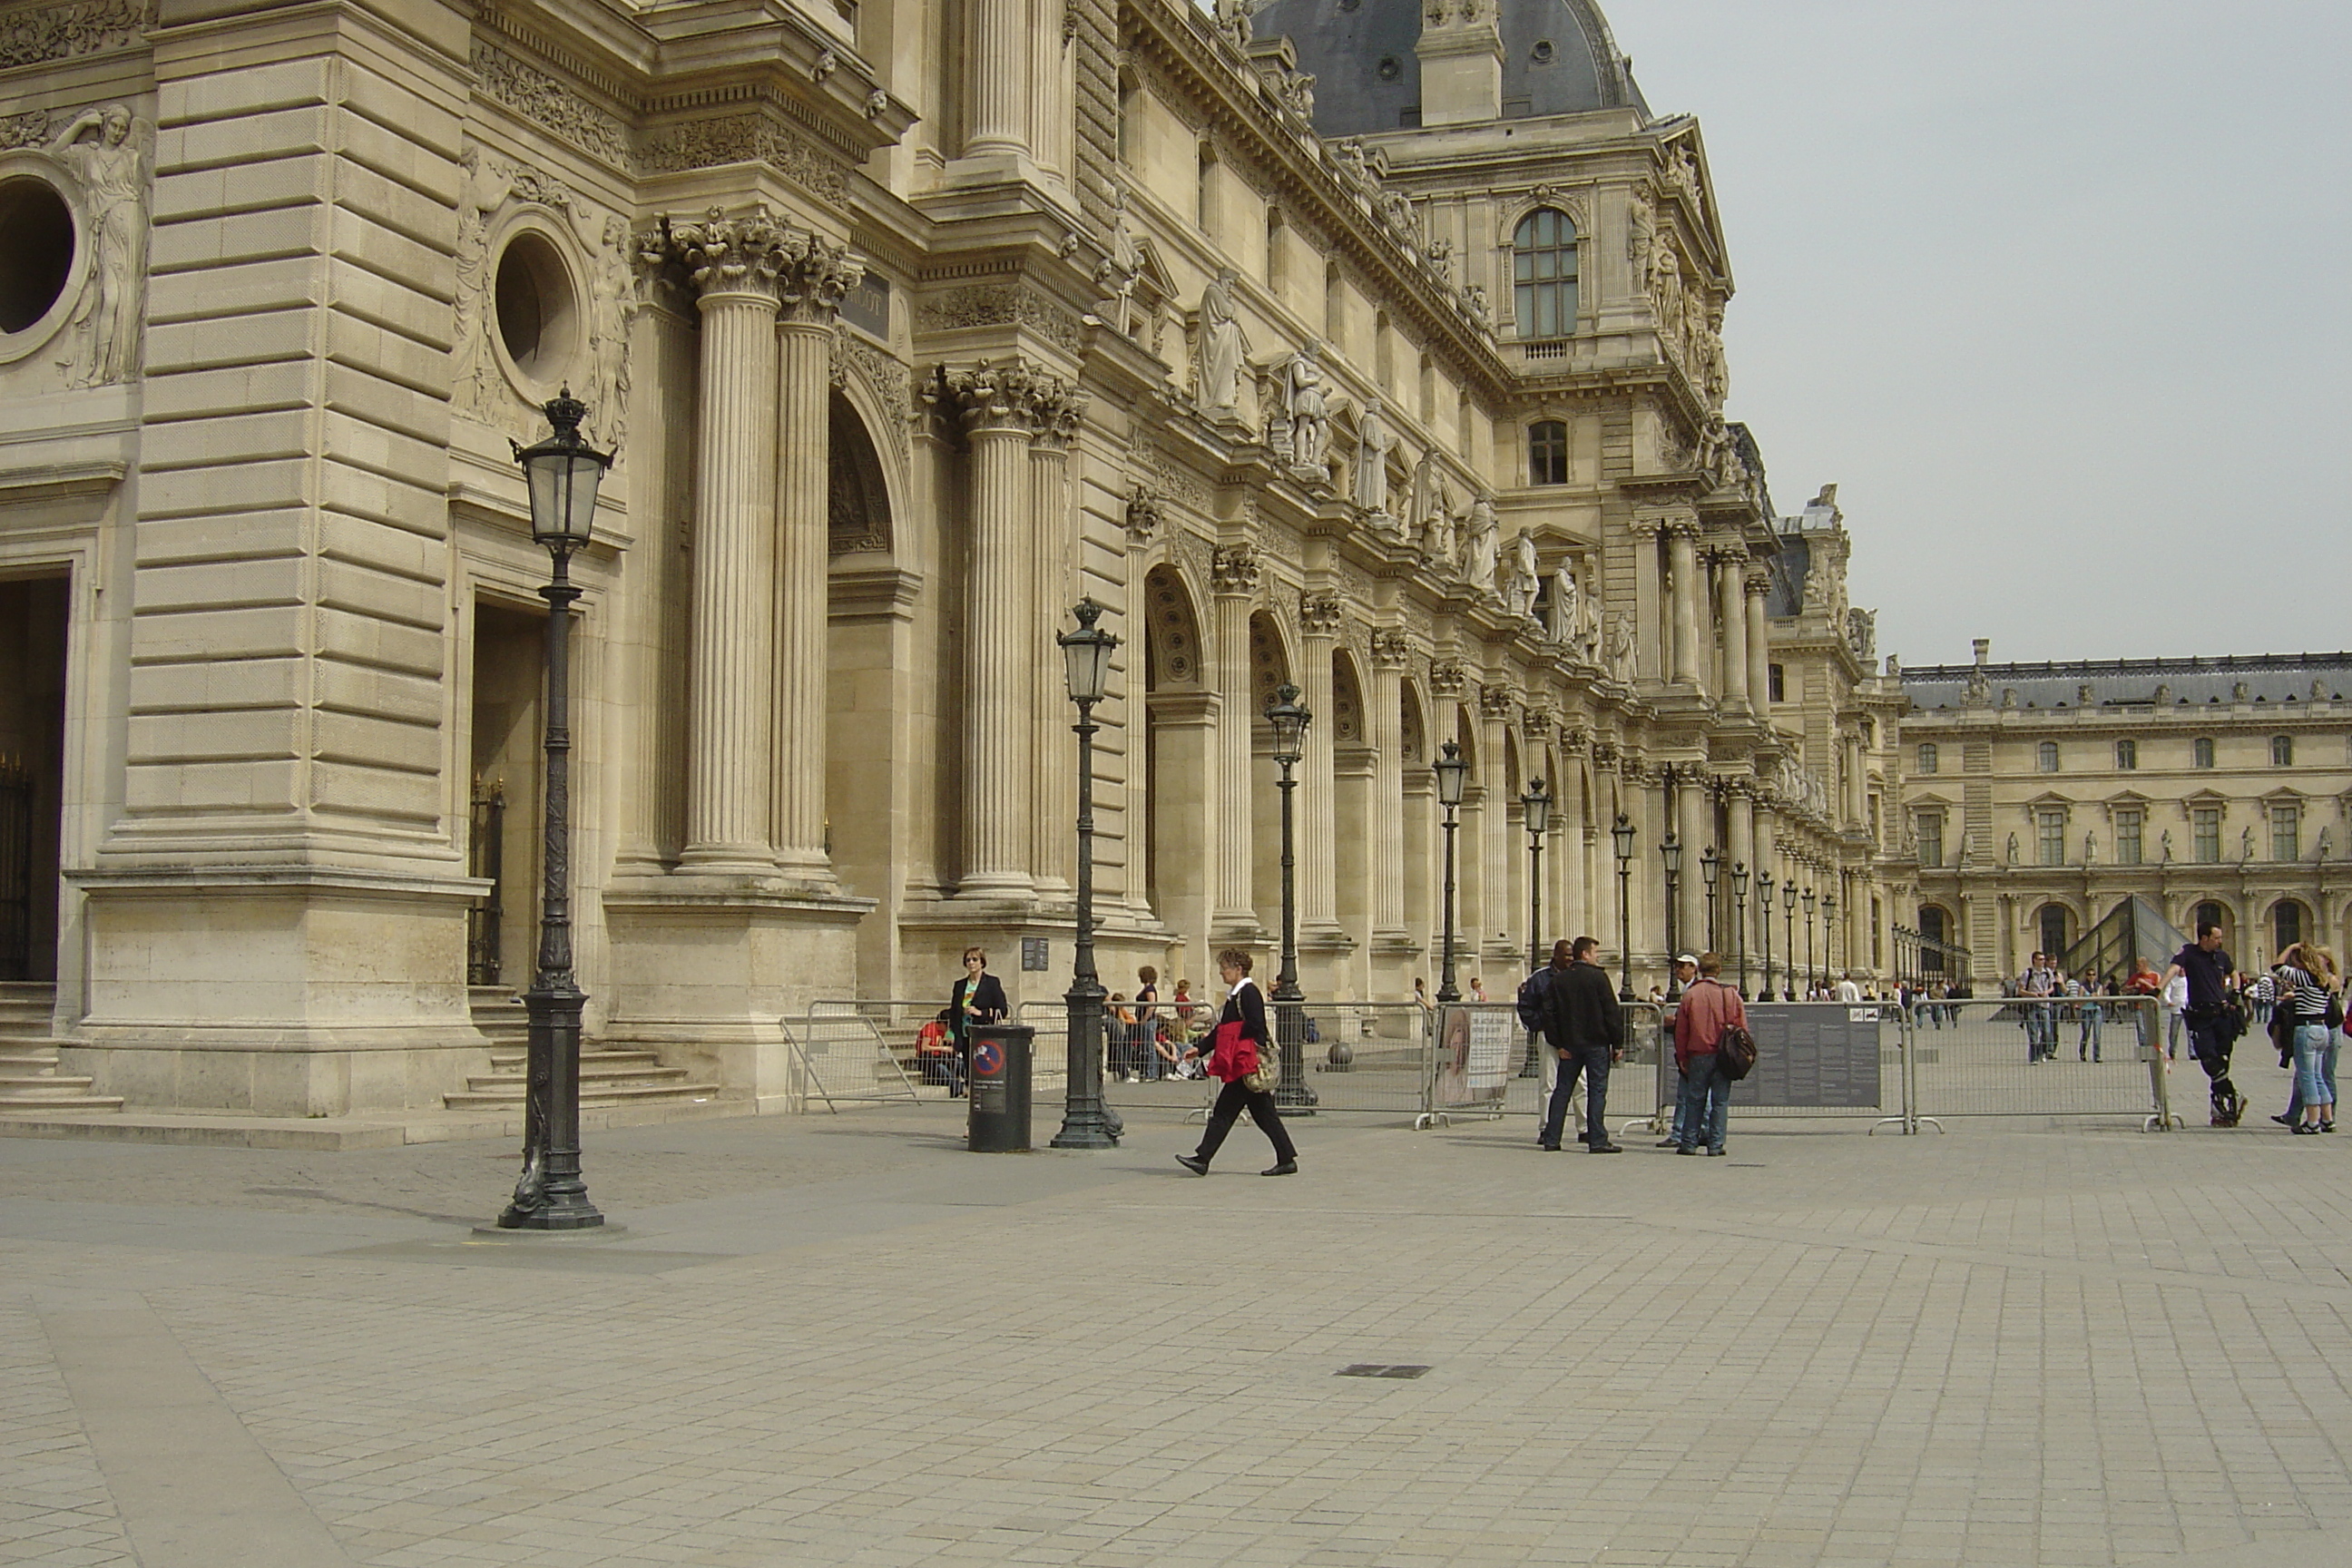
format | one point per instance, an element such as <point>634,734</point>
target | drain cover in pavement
<point>1375,1369</point>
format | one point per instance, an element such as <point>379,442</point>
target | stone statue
<point>611,303</point>
<point>1620,649</point>
<point>2013,849</point>
<point>1303,407</point>
<point>1588,635</point>
<point>2246,844</point>
<point>1121,266</point>
<point>1527,581</point>
<point>1862,634</point>
<point>1564,612</point>
<point>1373,443</point>
<point>1484,549</point>
<point>1233,19</point>
<point>1437,536</point>
<point>101,149</point>
<point>2164,844</point>
<point>1221,347</point>
<point>2090,848</point>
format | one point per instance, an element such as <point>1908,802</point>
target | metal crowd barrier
<point>860,1052</point>
<point>2090,1056</point>
<point>1813,1059</point>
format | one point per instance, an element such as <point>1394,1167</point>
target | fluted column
<point>1318,889</point>
<point>1652,628</point>
<point>1760,642</point>
<point>997,80</point>
<point>1133,717</point>
<point>1731,608</point>
<point>733,262</point>
<point>998,734</point>
<point>1501,908</point>
<point>1387,847</point>
<point>1741,852</point>
<point>815,276</point>
<point>1234,577</point>
<point>1691,829</point>
<point>1572,821</point>
<point>1056,412</point>
<point>1681,560</point>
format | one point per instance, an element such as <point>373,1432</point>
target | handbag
<point>1735,1053</point>
<point>1263,1074</point>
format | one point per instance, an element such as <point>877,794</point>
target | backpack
<point>1532,992</point>
<point>1735,1053</point>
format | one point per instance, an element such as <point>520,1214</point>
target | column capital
<point>1010,394</point>
<point>1389,648</point>
<point>1535,723</point>
<point>1142,513</point>
<point>813,274</point>
<point>1496,702</point>
<point>1448,679</point>
<point>724,255</point>
<point>1318,614</point>
<point>1757,581</point>
<point>1235,569</point>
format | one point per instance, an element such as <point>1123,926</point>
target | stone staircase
<point>607,1076</point>
<point>29,1078</point>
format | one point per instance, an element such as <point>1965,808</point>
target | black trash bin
<point>997,1118</point>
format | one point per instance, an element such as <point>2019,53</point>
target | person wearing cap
<point>1686,970</point>
<point>1708,1008</point>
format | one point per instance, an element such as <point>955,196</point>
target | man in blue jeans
<point>1586,1031</point>
<point>1708,1008</point>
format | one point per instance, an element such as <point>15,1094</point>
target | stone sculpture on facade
<point>1374,442</point>
<point>1482,548</point>
<point>1618,653</point>
<point>1564,616</point>
<point>1121,268</point>
<point>1308,431</point>
<point>102,147</point>
<point>1222,349</point>
<point>1527,581</point>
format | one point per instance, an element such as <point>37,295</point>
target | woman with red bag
<point>1242,1054</point>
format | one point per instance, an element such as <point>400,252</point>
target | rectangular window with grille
<point>2286,832</point>
<point>1927,757</point>
<point>1931,838</point>
<point>2050,830</point>
<point>2205,834</point>
<point>2130,825</point>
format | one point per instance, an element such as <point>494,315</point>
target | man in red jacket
<point>1707,1009</point>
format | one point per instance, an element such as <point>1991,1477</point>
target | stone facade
<point>2042,796</point>
<point>912,324</point>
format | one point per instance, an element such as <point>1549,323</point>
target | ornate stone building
<point>2042,795</point>
<point>911,323</point>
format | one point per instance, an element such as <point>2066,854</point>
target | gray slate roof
<point>2280,679</point>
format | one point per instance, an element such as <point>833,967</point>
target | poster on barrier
<point>1476,1054</point>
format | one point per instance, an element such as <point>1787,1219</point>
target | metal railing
<point>2090,1056</point>
<point>861,1052</point>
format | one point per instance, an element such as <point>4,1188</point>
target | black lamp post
<point>1829,937</point>
<point>1289,720</point>
<point>1740,929</point>
<point>1788,938</point>
<point>1086,1120</point>
<point>1535,808</point>
<point>1622,833</point>
<point>562,473</point>
<point>1671,852</point>
<point>1711,867</point>
<point>1450,769</point>
<point>1764,886</point>
<point>1811,980</point>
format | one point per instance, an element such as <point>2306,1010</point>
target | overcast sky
<point>2056,291</point>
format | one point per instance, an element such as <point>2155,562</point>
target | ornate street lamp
<point>1739,928</point>
<point>1710,867</point>
<point>1450,769</point>
<point>1535,808</point>
<point>1086,1123</point>
<point>1764,884</point>
<point>562,474</point>
<point>1811,981</point>
<point>1788,938</point>
<point>1829,936</point>
<point>1671,852</point>
<point>1623,835</point>
<point>1289,720</point>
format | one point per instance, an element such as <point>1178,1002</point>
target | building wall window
<point>2046,757</point>
<point>1548,452</point>
<point>1931,838</point>
<point>2282,751</point>
<point>2209,914</point>
<point>2286,831</point>
<point>1927,759</point>
<point>2200,751</point>
<point>1935,931</point>
<point>2126,755</point>
<point>1543,274</point>
<point>2286,925</point>
<point>2051,922</point>
<point>1776,683</point>
<point>2049,834</point>
<point>2205,834</point>
<point>2131,826</point>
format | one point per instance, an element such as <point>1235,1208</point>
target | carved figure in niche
<point>2164,844</point>
<point>1120,268</point>
<point>2090,848</point>
<point>2012,849</point>
<point>1484,548</point>
<point>2246,844</point>
<point>1527,581</point>
<point>1564,616</point>
<point>1302,406</point>
<point>1221,347</point>
<point>1714,374</point>
<point>1667,295</point>
<point>1587,634</point>
<point>611,304</point>
<point>486,187</point>
<point>1437,539</point>
<point>1373,443</point>
<point>1620,649</point>
<point>101,146</point>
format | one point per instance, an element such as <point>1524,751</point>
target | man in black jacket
<point>1586,1030</point>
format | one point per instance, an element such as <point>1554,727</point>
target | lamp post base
<point>1291,1095</point>
<point>1087,1122</point>
<point>551,1195</point>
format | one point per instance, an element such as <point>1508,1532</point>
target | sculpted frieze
<point>35,32</point>
<point>891,383</point>
<point>553,105</point>
<point>996,305</point>
<point>745,139</point>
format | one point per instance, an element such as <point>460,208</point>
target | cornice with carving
<point>32,35</point>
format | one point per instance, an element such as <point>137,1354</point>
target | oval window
<point>1389,69</point>
<point>36,250</point>
<point>538,318</point>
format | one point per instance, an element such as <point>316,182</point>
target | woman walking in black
<point>1245,1008</point>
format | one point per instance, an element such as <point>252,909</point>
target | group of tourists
<point>2303,997</point>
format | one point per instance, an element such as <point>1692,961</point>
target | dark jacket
<point>989,998</point>
<point>1579,1009</point>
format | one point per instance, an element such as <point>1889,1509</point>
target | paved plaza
<point>843,1339</point>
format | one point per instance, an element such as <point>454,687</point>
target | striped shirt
<point>2305,997</point>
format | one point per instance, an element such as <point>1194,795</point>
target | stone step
<point>22,1085</point>
<point>515,1082</point>
<point>18,1106</point>
<point>503,1060</point>
<point>600,1094</point>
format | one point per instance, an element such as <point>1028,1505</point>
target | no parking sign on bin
<point>997,1118</point>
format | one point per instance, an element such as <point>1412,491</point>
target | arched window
<point>2209,915</point>
<point>2286,925</point>
<point>2051,922</point>
<point>1548,452</point>
<point>1543,271</point>
<point>2126,755</point>
<point>1935,932</point>
<point>2045,756</point>
<point>2200,751</point>
<point>2282,751</point>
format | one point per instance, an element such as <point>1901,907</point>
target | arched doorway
<point>2049,923</point>
<point>870,781</point>
<point>1179,744</point>
<point>1351,812</point>
<point>2289,923</point>
<point>1271,667</point>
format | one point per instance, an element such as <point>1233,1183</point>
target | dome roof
<point>1558,58</point>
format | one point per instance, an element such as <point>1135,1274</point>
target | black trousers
<point>1592,1063</point>
<point>1231,1101</point>
<point>2212,1054</point>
